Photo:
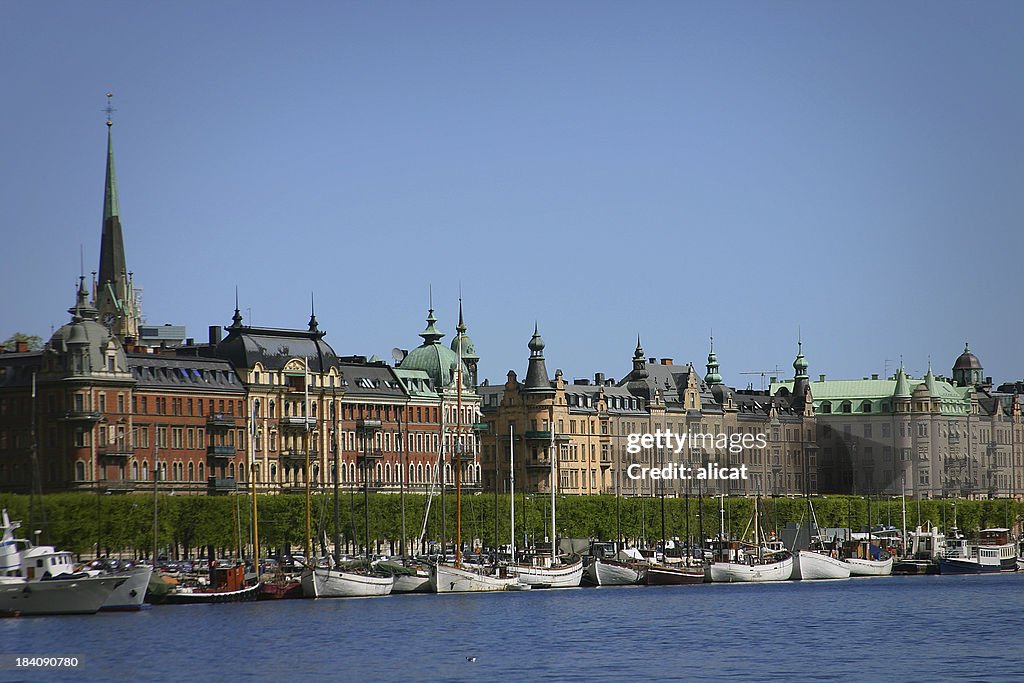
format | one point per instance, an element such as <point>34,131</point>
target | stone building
<point>929,436</point>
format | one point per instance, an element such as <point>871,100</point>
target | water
<point>893,628</point>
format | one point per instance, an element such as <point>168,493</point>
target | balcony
<point>221,451</point>
<point>538,463</point>
<point>371,456</point>
<point>219,420</point>
<point>116,452</point>
<point>298,422</point>
<point>299,457</point>
<point>368,425</point>
<point>215,485</point>
<point>81,416</point>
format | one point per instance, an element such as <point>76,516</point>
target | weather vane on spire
<point>109,109</point>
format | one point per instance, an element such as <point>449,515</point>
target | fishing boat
<point>544,574</point>
<point>926,546</point>
<point>409,577</point>
<point>674,575</point>
<point>226,584</point>
<point>761,562</point>
<point>991,552</point>
<point>626,568</point>
<point>58,589</point>
<point>332,579</point>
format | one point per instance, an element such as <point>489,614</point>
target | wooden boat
<point>447,578</point>
<point>860,566</point>
<point>811,565</point>
<point>606,572</point>
<point>567,575</point>
<point>762,563</point>
<point>667,575</point>
<point>991,552</point>
<point>227,585</point>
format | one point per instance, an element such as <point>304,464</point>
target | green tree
<point>34,342</point>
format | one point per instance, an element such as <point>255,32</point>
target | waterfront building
<point>929,436</point>
<point>588,425</point>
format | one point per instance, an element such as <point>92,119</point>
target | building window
<point>79,471</point>
<point>846,407</point>
<point>867,406</point>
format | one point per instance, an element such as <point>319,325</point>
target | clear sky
<point>853,170</point>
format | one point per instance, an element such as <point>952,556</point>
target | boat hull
<point>732,572</point>
<point>331,583</point>
<point>812,566</point>
<point>862,567</point>
<point>448,579</point>
<point>612,573</point>
<point>413,583</point>
<point>562,576</point>
<point>57,596</point>
<point>956,565</point>
<point>247,594</point>
<point>672,576</point>
<point>131,594</point>
<point>915,567</point>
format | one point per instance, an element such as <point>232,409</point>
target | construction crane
<point>770,373</point>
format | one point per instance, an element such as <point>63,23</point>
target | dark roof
<point>160,371</point>
<point>245,346</point>
<point>16,368</point>
<point>372,380</point>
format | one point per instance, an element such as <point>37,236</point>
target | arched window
<point>80,471</point>
<point>316,472</point>
<point>273,410</point>
<point>379,472</point>
<point>273,472</point>
<point>231,470</point>
<point>352,472</point>
<point>313,408</point>
<point>412,472</point>
<point>135,471</point>
<point>387,472</point>
<point>202,472</point>
<point>191,471</point>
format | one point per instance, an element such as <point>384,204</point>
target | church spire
<point>115,295</point>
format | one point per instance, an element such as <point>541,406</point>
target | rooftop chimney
<point>666,361</point>
<point>215,332</point>
<point>598,378</point>
<point>821,378</point>
<point>874,375</point>
<point>21,347</point>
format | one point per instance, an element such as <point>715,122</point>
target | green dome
<point>434,358</point>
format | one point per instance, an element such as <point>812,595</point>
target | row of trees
<point>81,522</point>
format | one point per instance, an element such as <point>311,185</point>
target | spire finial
<point>109,110</point>
<point>430,296</point>
<point>236,319</point>
<point>313,326</point>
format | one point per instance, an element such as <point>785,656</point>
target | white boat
<point>776,567</point>
<point>56,589</point>
<point>413,583</point>
<point>448,578</point>
<point>131,594</point>
<point>864,567</point>
<point>557,576</point>
<point>322,582</point>
<point>603,572</point>
<point>810,565</point>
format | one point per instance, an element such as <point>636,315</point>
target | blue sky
<point>849,169</point>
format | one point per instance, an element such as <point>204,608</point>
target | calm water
<point>898,628</point>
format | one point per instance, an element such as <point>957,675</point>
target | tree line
<point>83,522</point>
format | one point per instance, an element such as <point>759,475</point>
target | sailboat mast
<point>405,473</point>
<point>512,485</point>
<point>252,488</point>
<point>156,477</point>
<point>305,423</point>
<point>458,462</point>
<point>551,450</point>
<point>337,512</point>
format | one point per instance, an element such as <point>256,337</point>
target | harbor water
<point>891,628</point>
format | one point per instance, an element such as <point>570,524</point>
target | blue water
<point>894,628</point>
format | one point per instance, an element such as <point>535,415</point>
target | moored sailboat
<point>761,563</point>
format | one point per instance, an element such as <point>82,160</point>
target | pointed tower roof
<point>430,334</point>
<point>902,389</point>
<point>537,379</point>
<point>712,378</point>
<point>461,339</point>
<point>112,261</point>
<point>929,381</point>
<point>314,327</point>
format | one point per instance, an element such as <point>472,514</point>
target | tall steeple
<point>463,342</point>
<point>712,378</point>
<point>115,297</point>
<point>800,379</point>
<point>537,379</point>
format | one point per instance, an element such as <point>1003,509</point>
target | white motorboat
<point>774,567</point>
<point>551,576</point>
<point>447,578</point>
<point>43,580</point>
<point>321,582</point>
<point>811,565</point>
<point>131,594</point>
